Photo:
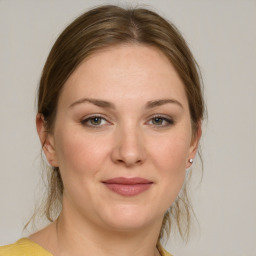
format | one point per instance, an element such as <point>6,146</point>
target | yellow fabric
<point>25,247</point>
<point>163,252</point>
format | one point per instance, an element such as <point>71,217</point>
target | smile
<point>128,186</point>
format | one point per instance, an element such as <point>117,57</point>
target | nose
<point>129,147</point>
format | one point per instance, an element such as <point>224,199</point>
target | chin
<point>129,218</point>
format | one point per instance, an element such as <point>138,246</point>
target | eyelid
<point>88,117</point>
<point>170,121</point>
<point>166,118</point>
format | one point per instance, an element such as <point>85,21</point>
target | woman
<point>119,119</point>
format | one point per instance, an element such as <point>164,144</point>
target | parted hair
<point>100,28</point>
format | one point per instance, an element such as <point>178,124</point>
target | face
<point>122,138</point>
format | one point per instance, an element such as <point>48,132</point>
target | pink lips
<point>128,186</point>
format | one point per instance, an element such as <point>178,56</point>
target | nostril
<point>139,162</point>
<point>129,162</point>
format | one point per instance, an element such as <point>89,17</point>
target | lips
<point>128,186</point>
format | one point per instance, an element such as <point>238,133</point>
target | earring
<point>191,160</point>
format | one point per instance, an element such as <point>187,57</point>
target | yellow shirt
<point>25,247</point>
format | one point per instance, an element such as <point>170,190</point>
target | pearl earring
<point>191,160</point>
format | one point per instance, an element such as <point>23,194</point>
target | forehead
<point>127,72</point>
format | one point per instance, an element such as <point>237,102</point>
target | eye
<point>161,121</point>
<point>94,121</point>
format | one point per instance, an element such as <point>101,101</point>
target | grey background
<point>222,36</point>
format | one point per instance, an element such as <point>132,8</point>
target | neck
<point>75,237</point>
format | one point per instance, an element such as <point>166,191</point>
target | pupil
<point>96,120</point>
<point>158,120</point>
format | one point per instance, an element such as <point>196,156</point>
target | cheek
<point>170,161</point>
<point>80,155</point>
<point>81,161</point>
<point>171,153</point>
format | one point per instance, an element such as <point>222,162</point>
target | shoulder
<point>23,247</point>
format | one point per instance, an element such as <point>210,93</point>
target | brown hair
<point>103,27</point>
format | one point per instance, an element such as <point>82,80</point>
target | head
<point>94,37</point>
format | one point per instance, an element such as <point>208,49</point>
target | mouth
<point>128,186</point>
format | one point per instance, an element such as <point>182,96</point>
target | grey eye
<point>161,121</point>
<point>95,120</point>
<point>157,120</point>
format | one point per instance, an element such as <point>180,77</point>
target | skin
<point>128,140</point>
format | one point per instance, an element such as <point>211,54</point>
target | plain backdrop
<point>222,36</point>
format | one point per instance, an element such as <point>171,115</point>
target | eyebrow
<point>157,103</point>
<point>99,103</point>
<point>107,104</point>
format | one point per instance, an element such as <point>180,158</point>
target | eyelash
<point>86,121</point>
<point>168,121</point>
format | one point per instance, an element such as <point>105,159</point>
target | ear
<point>47,140</point>
<point>194,144</point>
